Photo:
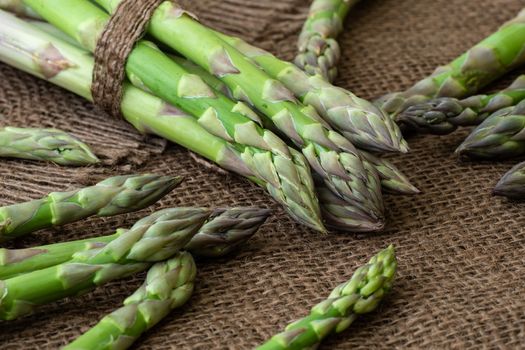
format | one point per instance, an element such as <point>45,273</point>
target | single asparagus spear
<point>224,231</point>
<point>288,180</point>
<point>51,145</point>
<point>467,74</point>
<point>392,179</point>
<point>328,152</point>
<point>319,51</point>
<point>512,185</point>
<point>360,121</point>
<point>444,115</point>
<point>360,295</point>
<point>168,285</point>
<point>113,196</point>
<point>155,238</point>
<point>500,136</point>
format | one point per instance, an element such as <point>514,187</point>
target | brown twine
<point>125,27</point>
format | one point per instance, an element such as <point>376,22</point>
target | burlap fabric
<point>461,267</point>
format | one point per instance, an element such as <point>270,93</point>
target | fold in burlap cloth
<point>461,266</point>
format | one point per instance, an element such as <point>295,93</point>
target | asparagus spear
<point>51,145</point>
<point>17,7</point>
<point>319,51</point>
<point>154,238</point>
<point>360,295</point>
<point>365,125</point>
<point>392,179</point>
<point>224,231</point>
<point>287,179</point>
<point>467,74</point>
<point>512,185</point>
<point>444,115</point>
<point>328,152</point>
<point>113,196</point>
<point>500,136</point>
<point>168,286</point>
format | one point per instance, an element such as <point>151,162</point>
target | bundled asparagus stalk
<point>319,51</point>
<point>113,196</point>
<point>168,286</point>
<point>360,295</point>
<point>500,136</point>
<point>333,157</point>
<point>286,177</point>
<point>365,125</point>
<point>223,232</point>
<point>392,179</point>
<point>155,238</point>
<point>444,115</point>
<point>51,145</point>
<point>512,185</point>
<point>482,64</point>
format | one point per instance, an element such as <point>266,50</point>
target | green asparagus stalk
<point>444,115</point>
<point>328,152</point>
<point>500,136</point>
<point>360,295</point>
<point>512,185</point>
<point>467,74</point>
<point>224,231</point>
<point>288,181</point>
<point>113,196</point>
<point>155,238</point>
<point>51,145</point>
<point>365,125</point>
<point>168,286</point>
<point>392,179</point>
<point>319,51</point>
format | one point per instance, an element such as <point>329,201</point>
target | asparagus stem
<point>499,136</point>
<point>444,115</point>
<point>360,295</point>
<point>168,286</point>
<point>328,152</point>
<point>287,179</point>
<point>365,125</point>
<point>512,185</point>
<point>467,74</point>
<point>224,231</point>
<point>319,51</point>
<point>45,144</point>
<point>113,196</point>
<point>154,238</point>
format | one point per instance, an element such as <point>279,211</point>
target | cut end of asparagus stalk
<point>512,184</point>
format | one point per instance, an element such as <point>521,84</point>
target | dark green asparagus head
<point>512,185</point>
<point>226,230</point>
<point>342,215</point>
<point>431,117</point>
<point>500,136</point>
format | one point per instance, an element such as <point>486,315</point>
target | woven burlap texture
<point>461,267</point>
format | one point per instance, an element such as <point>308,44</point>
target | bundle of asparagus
<point>45,144</point>
<point>36,276</point>
<point>360,295</point>
<point>482,64</point>
<point>226,132</point>
<point>319,51</point>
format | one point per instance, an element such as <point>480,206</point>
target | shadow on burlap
<point>460,281</point>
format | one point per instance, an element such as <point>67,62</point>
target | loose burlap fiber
<point>461,266</point>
